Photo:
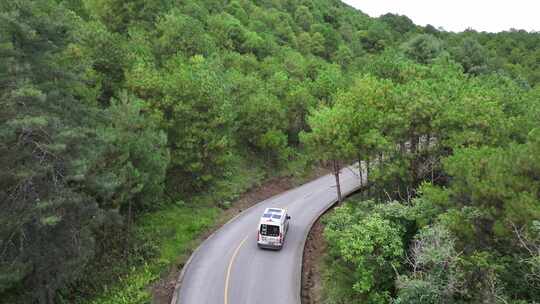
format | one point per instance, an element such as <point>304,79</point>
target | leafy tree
<point>303,17</point>
<point>298,103</point>
<point>372,247</point>
<point>260,123</point>
<point>329,80</point>
<point>197,119</point>
<point>399,23</point>
<point>484,185</point>
<point>132,167</point>
<point>343,56</point>
<point>392,65</point>
<point>366,102</point>
<point>423,48</point>
<point>328,139</point>
<point>195,10</point>
<point>376,38</point>
<point>304,41</point>
<point>228,31</point>
<point>317,44</point>
<point>237,10</point>
<point>254,44</point>
<point>331,39</point>
<point>45,131</point>
<point>472,56</point>
<point>179,32</point>
<point>436,276</point>
<point>119,15</point>
<point>105,51</point>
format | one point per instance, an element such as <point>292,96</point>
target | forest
<point>115,110</point>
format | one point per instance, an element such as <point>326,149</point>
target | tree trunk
<point>50,296</point>
<point>368,164</point>
<point>128,234</point>
<point>360,171</point>
<point>381,164</point>
<point>367,170</point>
<point>42,296</point>
<point>431,158</point>
<point>414,155</point>
<point>336,174</point>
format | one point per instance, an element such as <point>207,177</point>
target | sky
<point>458,15</point>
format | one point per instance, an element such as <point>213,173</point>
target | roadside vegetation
<point>166,238</point>
<point>127,126</point>
<point>454,205</point>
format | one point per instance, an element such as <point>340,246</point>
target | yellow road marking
<point>226,300</point>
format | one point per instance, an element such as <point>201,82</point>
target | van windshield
<point>269,230</point>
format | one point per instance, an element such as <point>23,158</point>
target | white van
<point>272,228</point>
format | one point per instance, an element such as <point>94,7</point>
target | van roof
<point>273,215</point>
<point>274,210</point>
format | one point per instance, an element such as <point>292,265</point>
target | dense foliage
<point>452,163</point>
<point>116,108</point>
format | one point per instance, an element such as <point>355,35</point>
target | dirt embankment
<point>311,265</point>
<point>162,291</point>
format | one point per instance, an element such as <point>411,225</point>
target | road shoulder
<point>312,261</point>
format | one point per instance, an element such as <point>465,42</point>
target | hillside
<point>117,110</point>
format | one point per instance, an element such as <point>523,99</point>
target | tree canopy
<point>112,109</point>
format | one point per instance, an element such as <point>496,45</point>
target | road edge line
<point>229,268</point>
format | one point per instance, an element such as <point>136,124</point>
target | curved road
<point>229,268</point>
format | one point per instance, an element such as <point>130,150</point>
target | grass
<point>174,230</point>
<point>130,289</point>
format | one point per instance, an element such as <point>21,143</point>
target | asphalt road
<point>229,268</point>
